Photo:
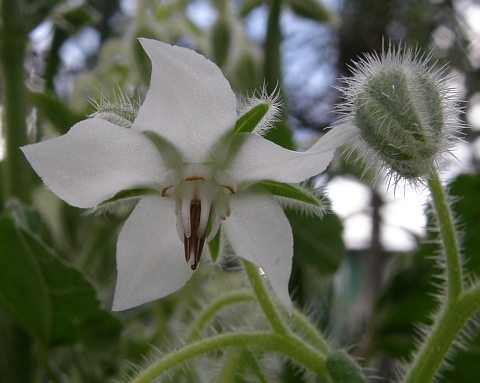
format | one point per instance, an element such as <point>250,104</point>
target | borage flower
<point>195,171</point>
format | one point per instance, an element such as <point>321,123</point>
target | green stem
<point>13,42</point>
<point>451,320</point>
<point>16,173</point>
<point>230,367</point>
<point>310,332</point>
<point>208,312</point>
<point>458,306</point>
<point>273,70</point>
<point>448,236</point>
<point>278,325</point>
<point>291,346</point>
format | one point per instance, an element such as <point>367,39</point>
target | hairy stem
<point>458,306</point>
<point>448,236</point>
<point>277,323</point>
<point>290,346</point>
<point>208,312</point>
<point>310,332</point>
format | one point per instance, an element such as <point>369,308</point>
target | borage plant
<point>199,174</point>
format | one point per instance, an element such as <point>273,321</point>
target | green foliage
<point>318,242</point>
<point>51,298</point>
<point>464,191</point>
<point>312,9</point>
<point>221,40</point>
<point>57,267</point>
<point>57,112</point>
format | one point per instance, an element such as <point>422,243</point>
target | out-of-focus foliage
<point>57,267</point>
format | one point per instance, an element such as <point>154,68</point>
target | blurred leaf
<point>281,135</point>
<point>55,111</point>
<point>221,40</point>
<point>407,301</point>
<point>312,9</point>
<point>72,16</point>
<point>318,241</point>
<point>465,189</point>
<point>1,185</point>
<point>247,6</point>
<point>466,364</point>
<point>23,292</point>
<point>25,217</point>
<point>48,296</point>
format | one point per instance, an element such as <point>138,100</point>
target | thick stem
<point>272,70</point>
<point>292,347</point>
<point>448,236</point>
<point>13,41</point>
<point>278,325</point>
<point>16,173</point>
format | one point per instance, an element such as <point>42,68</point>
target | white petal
<point>259,232</point>
<point>254,158</point>
<point>189,102</point>
<point>150,257</point>
<point>335,137</point>
<point>94,161</point>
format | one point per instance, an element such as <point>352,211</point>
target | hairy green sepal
<point>248,121</point>
<point>296,196</point>
<point>124,195</point>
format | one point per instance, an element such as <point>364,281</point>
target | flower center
<point>202,201</point>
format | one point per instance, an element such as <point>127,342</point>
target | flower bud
<point>404,111</point>
<point>343,369</point>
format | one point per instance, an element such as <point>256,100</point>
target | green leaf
<point>49,297</point>
<point>312,9</point>
<point>26,217</point>
<point>317,241</point>
<point>407,300</point>
<point>55,110</point>
<point>23,291</point>
<point>465,190</point>
<point>221,40</point>
<point>73,16</point>
<point>248,121</point>
<point>302,199</point>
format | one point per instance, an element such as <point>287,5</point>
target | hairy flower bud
<point>404,110</point>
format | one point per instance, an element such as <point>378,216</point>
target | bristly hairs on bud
<point>122,111</point>
<point>407,113</point>
<point>274,108</point>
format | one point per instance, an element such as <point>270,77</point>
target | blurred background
<point>364,273</point>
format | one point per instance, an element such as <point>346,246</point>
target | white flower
<point>182,158</point>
